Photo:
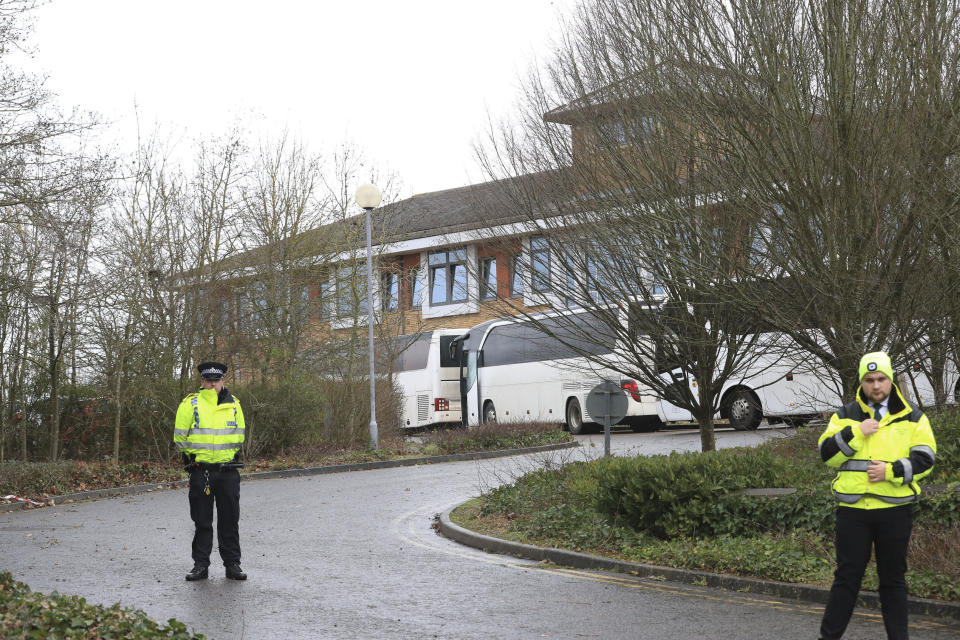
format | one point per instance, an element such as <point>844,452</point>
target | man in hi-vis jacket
<point>209,432</point>
<point>880,447</point>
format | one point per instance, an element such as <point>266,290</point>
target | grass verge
<point>40,481</point>
<point>687,511</point>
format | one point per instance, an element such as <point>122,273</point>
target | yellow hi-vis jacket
<point>209,426</point>
<point>904,442</point>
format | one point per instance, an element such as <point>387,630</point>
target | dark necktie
<point>877,410</point>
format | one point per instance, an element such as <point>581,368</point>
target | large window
<point>389,291</point>
<point>539,264</point>
<point>448,276</point>
<point>572,285</point>
<point>325,299</point>
<point>620,132</point>
<point>599,280</point>
<point>516,276</point>
<point>488,283</point>
<point>351,292</point>
<point>415,287</point>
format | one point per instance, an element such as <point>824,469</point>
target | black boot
<point>234,572</point>
<point>197,573</point>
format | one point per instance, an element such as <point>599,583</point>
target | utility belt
<point>216,466</point>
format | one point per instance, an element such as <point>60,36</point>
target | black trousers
<point>225,493</point>
<point>887,531</point>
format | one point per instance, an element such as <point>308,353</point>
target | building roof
<point>464,208</point>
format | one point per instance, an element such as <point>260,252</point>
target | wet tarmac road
<point>353,555</point>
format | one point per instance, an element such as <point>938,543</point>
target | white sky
<point>410,82</point>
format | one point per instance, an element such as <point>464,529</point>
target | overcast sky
<point>411,82</point>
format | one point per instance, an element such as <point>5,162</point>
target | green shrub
<point>743,515</point>
<point>531,492</point>
<point>28,614</point>
<point>946,430</point>
<point>497,435</point>
<point>669,495</point>
<point>939,508</point>
<point>577,527</point>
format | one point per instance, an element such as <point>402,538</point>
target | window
<point>620,132</point>
<point>539,264</point>
<point>613,132</point>
<point>325,298</point>
<point>599,279</point>
<point>259,299</point>
<point>488,283</point>
<point>572,288</point>
<point>351,296</point>
<point>645,125</point>
<point>446,358</point>
<point>414,351</point>
<point>389,291</point>
<point>448,276</point>
<point>516,276</point>
<point>415,287</point>
<point>222,312</point>
<point>554,339</point>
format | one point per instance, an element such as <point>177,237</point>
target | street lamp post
<point>368,197</point>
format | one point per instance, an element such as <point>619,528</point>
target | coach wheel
<point>489,413</point>
<point>743,409</point>
<point>574,417</point>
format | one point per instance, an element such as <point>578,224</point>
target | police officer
<point>209,432</point>
<point>880,446</point>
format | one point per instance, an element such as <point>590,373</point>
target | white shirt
<point>882,411</point>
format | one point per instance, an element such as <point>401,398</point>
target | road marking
<point>414,523</point>
<point>636,582</point>
<point>409,527</point>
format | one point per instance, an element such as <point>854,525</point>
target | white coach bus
<point>512,371</point>
<point>781,383</point>
<point>428,378</point>
<point>775,384</point>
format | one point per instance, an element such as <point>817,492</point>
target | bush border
<point>577,560</point>
<point>97,494</point>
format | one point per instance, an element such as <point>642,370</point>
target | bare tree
<point>827,129</point>
<point>281,201</point>
<point>743,166</point>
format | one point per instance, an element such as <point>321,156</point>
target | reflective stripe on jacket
<point>904,442</point>
<point>208,426</point>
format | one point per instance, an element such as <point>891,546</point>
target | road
<point>353,555</point>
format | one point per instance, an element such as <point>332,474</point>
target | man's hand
<point>869,427</point>
<point>876,471</point>
<point>189,462</point>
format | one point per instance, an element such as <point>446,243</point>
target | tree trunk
<point>54,383</point>
<point>21,373</point>
<point>116,418</point>
<point>708,439</point>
